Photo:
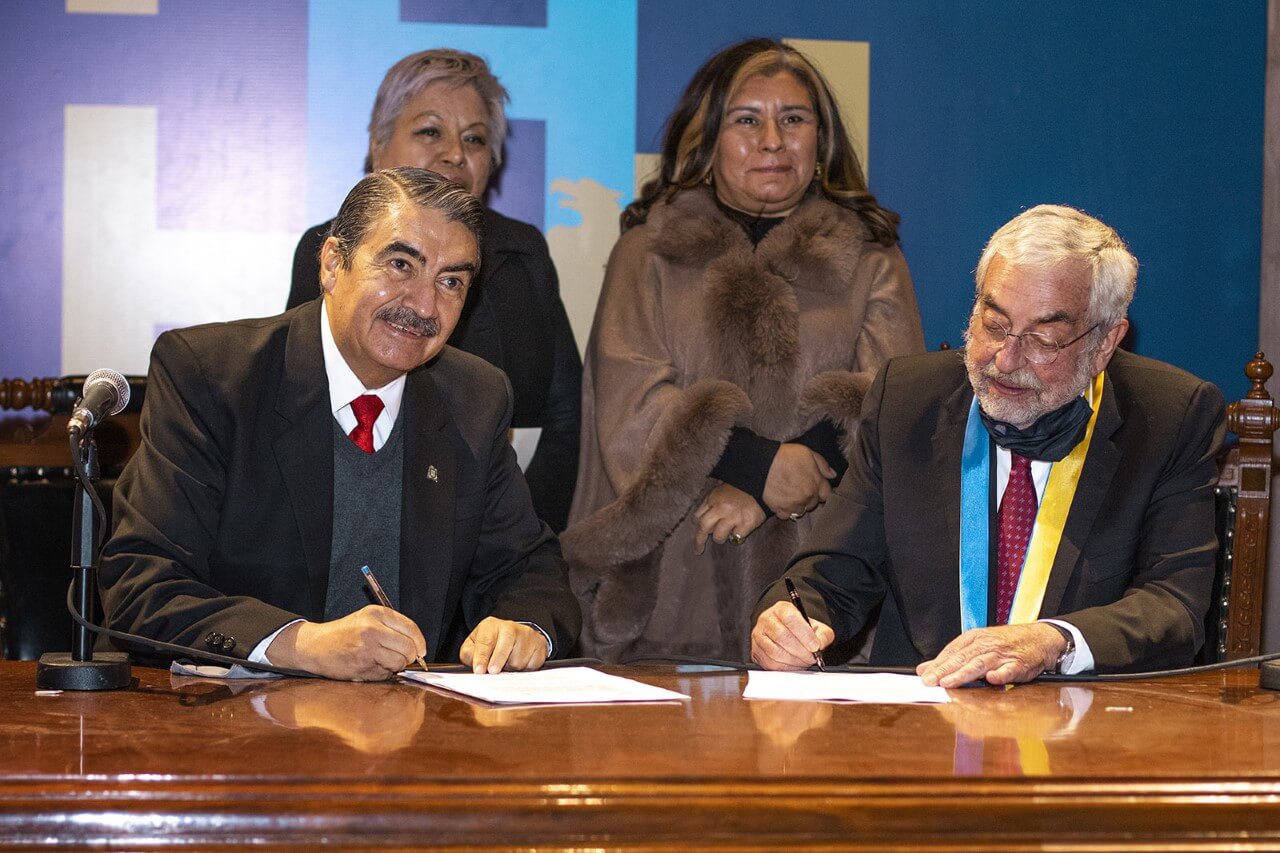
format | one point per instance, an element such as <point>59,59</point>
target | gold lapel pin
<point>432,474</point>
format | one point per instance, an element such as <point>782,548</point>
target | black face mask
<point>1050,438</point>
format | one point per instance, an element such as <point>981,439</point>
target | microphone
<point>105,393</point>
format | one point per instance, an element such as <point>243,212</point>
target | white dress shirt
<point>344,387</point>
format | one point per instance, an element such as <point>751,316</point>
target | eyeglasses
<point>1037,347</point>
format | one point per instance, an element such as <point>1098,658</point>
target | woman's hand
<point>798,481</point>
<point>726,511</point>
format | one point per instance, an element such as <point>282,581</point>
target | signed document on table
<point>876,687</point>
<point>569,685</point>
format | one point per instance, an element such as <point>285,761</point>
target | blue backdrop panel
<point>575,75</point>
<point>523,13</point>
<point>1147,116</point>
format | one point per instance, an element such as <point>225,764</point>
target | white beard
<point>1045,399</point>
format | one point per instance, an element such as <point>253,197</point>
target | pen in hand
<point>795,599</point>
<point>376,588</point>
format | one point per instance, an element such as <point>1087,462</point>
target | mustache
<point>428,327</point>
<point>1020,378</point>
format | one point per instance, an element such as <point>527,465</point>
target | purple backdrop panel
<point>228,80</point>
<point>519,189</point>
<point>501,13</point>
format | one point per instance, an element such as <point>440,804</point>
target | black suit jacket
<point>223,518</point>
<point>1135,565</point>
<point>514,320</point>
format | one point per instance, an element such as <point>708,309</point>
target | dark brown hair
<point>690,139</point>
<point>377,191</point>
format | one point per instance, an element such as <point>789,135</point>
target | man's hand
<point>372,644</point>
<point>1002,655</point>
<point>726,510</point>
<point>782,639</point>
<point>498,644</point>
<point>797,482</point>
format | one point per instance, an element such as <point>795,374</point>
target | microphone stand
<point>80,670</point>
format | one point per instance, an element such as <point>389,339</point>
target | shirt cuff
<point>1082,660</point>
<point>535,626</point>
<point>259,653</point>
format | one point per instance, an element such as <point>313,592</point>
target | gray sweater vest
<point>366,521</point>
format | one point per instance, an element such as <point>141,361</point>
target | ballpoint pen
<point>795,599</point>
<point>383,600</point>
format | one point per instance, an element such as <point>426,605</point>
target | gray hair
<point>416,72</point>
<point>1049,234</point>
<point>377,192</point>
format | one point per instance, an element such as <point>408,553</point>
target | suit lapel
<point>1095,480</point>
<point>942,529</point>
<point>303,445</point>
<point>427,508</point>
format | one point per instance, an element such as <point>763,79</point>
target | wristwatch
<point>1068,654</point>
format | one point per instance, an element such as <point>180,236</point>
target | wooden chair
<point>37,489</point>
<point>1233,628</point>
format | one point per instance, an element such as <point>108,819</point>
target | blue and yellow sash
<point>1051,518</point>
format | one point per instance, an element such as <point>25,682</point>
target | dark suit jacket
<point>223,518</point>
<point>514,320</point>
<point>1135,565</point>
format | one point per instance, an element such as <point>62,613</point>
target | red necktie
<point>366,407</point>
<point>1016,517</point>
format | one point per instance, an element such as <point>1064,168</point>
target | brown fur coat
<point>697,332</point>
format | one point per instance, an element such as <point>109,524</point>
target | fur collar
<point>817,247</point>
<point>751,319</point>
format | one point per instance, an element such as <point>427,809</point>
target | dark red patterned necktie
<point>366,407</point>
<point>1016,517</point>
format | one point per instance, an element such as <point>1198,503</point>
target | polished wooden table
<point>1188,763</point>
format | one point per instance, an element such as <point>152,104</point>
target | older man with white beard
<point>1040,502</point>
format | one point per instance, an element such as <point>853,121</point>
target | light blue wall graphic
<point>576,75</point>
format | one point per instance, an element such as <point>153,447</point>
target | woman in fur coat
<point>755,291</point>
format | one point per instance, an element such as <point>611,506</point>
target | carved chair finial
<point>1258,371</point>
<point>1255,417</point>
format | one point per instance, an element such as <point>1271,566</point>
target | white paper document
<point>570,685</point>
<point>875,687</point>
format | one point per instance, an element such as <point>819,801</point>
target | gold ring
<point>735,539</point>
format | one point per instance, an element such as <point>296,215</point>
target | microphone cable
<point>83,475</point>
<point>175,649</point>
<point>100,512</point>
<point>225,660</point>
<point>1164,673</point>
<point>686,660</point>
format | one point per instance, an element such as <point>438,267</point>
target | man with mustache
<point>281,455</point>
<point>1038,502</point>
